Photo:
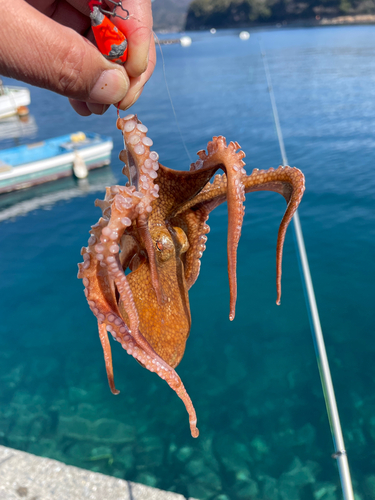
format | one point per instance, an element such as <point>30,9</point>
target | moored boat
<point>13,100</point>
<point>28,165</point>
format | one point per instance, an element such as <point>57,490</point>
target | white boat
<point>12,99</point>
<point>73,154</point>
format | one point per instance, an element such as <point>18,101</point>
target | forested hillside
<point>229,13</point>
<point>169,14</point>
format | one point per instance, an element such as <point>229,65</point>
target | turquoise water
<point>264,433</point>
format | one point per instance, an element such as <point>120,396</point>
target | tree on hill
<point>230,13</point>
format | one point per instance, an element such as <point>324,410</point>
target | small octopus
<point>144,253</point>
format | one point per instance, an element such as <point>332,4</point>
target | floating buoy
<point>22,111</point>
<point>212,31</point>
<point>78,137</point>
<point>185,41</point>
<point>79,167</point>
<point>244,35</point>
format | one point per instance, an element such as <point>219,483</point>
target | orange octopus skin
<point>156,227</point>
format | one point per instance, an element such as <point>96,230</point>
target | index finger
<point>138,30</point>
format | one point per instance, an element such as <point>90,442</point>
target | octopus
<point>144,253</point>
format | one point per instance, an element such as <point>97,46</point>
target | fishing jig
<point>111,42</point>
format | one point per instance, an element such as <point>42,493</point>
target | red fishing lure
<point>111,42</point>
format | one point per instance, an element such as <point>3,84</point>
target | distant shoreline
<point>356,19</point>
<point>349,20</point>
<point>359,19</point>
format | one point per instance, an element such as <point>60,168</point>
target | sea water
<point>264,432</point>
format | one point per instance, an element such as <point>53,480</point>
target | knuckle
<point>72,81</point>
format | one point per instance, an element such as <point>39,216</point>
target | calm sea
<point>254,382</point>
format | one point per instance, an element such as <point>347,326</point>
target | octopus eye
<point>164,246</point>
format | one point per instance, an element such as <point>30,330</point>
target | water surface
<point>254,381</point>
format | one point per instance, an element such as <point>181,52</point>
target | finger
<point>48,7</point>
<point>88,108</point>
<point>80,107</point>
<point>96,108</point>
<point>138,31</point>
<point>69,16</point>
<point>51,56</point>
<point>137,84</point>
<point>72,13</point>
<point>81,5</point>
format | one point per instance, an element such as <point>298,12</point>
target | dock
<point>23,475</point>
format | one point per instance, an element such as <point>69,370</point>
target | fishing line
<point>316,329</point>
<point>170,97</point>
<point>166,82</point>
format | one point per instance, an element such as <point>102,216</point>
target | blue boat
<point>72,154</point>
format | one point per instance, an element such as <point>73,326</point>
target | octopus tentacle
<point>123,210</point>
<point>112,322</point>
<point>219,153</point>
<point>99,289</point>
<point>103,251</point>
<point>145,235</point>
<point>287,181</point>
<point>290,183</point>
<point>100,294</point>
<point>102,264</point>
<point>194,224</point>
<point>142,166</point>
<point>107,356</point>
<point>160,237</point>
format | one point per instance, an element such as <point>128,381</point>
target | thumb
<point>39,51</point>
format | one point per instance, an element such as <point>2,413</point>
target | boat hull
<point>24,175</point>
<point>13,98</point>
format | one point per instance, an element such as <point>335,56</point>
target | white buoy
<point>79,167</point>
<point>185,41</point>
<point>212,31</point>
<point>244,35</point>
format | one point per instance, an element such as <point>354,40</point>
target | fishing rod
<point>316,329</point>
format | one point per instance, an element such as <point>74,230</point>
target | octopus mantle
<point>155,229</point>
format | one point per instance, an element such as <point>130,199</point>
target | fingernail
<point>110,88</point>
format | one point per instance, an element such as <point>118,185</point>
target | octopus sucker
<point>155,226</point>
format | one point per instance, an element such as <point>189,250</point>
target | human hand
<point>47,43</point>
